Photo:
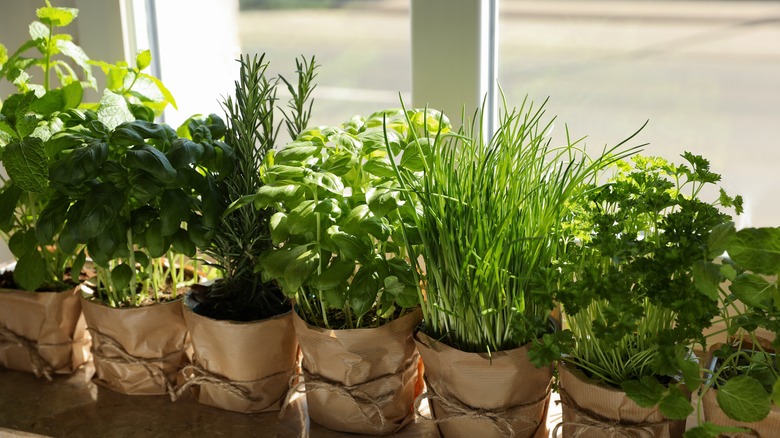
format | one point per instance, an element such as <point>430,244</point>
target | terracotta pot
<point>476,395</point>
<point>240,366</point>
<point>42,332</point>
<point>593,410</point>
<point>137,350</point>
<point>360,380</point>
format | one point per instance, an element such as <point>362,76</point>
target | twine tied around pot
<point>457,410</point>
<point>202,376</point>
<point>110,350</point>
<point>589,421</point>
<point>40,366</point>
<point>361,399</point>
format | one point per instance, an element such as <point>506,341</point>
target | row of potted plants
<point>408,262</point>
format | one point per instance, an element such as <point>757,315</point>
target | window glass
<point>363,48</point>
<point>706,74</point>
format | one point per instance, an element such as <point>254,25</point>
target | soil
<point>230,304</point>
<point>7,282</point>
<point>338,321</point>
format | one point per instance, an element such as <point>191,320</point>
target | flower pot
<point>767,427</point>
<point>360,380</point>
<point>476,395</point>
<point>595,410</point>
<point>137,350</point>
<point>240,366</point>
<point>42,332</point>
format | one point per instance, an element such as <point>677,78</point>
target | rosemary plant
<point>490,227</point>
<point>243,233</point>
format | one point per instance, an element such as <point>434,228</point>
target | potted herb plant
<point>634,299</point>
<point>339,221</point>
<point>489,231</point>
<point>41,327</point>
<point>740,393</point>
<point>244,343</point>
<point>133,197</point>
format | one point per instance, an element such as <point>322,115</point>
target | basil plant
<point>340,218</point>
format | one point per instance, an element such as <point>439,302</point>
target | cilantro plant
<point>633,285</point>
<point>243,232</point>
<point>340,219</point>
<point>50,73</point>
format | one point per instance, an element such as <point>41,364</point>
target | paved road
<point>706,74</point>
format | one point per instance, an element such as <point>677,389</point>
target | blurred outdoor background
<point>705,74</point>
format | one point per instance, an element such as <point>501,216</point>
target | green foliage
<point>489,224</point>
<point>747,370</point>
<point>340,219</point>
<point>637,284</point>
<point>237,237</point>
<point>32,122</point>
<point>133,197</point>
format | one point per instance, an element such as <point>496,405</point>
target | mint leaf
<point>744,398</point>
<point>675,404</point>
<point>757,249</point>
<point>646,392</point>
<point>143,59</point>
<point>113,110</point>
<point>27,165</point>
<point>710,430</point>
<point>58,17</point>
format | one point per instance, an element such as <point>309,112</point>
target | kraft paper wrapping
<point>768,427</point>
<point>360,380</point>
<point>241,366</point>
<point>592,410</point>
<point>42,332</point>
<point>137,350</point>
<point>474,395</point>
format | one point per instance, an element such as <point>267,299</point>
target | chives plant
<point>490,228</point>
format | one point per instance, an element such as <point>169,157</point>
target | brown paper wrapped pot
<point>361,380</point>
<point>592,410</point>
<point>137,350</point>
<point>475,395</point>
<point>42,332</point>
<point>241,366</point>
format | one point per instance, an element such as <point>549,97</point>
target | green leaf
<point>270,194</point>
<point>143,59</point>
<point>153,161</point>
<point>26,124</point>
<point>646,392</point>
<point>350,246</point>
<point>379,166</point>
<point>155,243</point>
<point>300,268</point>
<point>6,128</point>
<point>57,17</point>
<point>757,249</point>
<point>22,243</point>
<point>165,92</point>
<point>336,297</point>
<point>50,102</point>
<point>182,243</point>
<point>38,32</point>
<point>302,218</point>
<point>691,373</point>
<point>72,95</point>
<point>710,430</point>
<point>113,110</point>
<point>675,404</point>
<point>706,278</point>
<point>382,200</point>
<point>335,276</point>
<point>753,290</point>
<point>78,265</point>
<point>743,398</point>
<point>278,226</point>
<point>27,165</point>
<point>76,53</point>
<point>175,209</point>
<point>9,198</point>
<point>296,152</point>
<point>80,165</point>
<point>30,271</point>
<point>51,219</point>
<point>363,290</point>
<point>121,276</point>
